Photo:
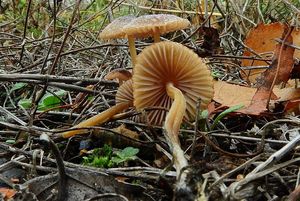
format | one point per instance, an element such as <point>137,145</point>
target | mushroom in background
<point>120,74</point>
<point>144,26</point>
<point>170,75</point>
<point>115,30</point>
<point>155,25</point>
<point>124,100</point>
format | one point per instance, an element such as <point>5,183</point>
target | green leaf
<point>17,86</point>
<point>128,152</point>
<point>224,113</point>
<point>25,103</point>
<point>50,100</point>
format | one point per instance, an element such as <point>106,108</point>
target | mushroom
<point>124,100</point>
<point>115,30</point>
<point>120,74</point>
<point>154,25</point>
<point>169,74</point>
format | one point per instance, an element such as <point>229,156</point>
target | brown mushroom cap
<point>148,25</point>
<point>125,93</point>
<point>115,28</point>
<point>169,62</point>
<point>120,74</point>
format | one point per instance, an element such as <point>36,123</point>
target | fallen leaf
<point>7,193</point>
<point>292,106</point>
<point>278,72</point>
<point>229,95</point>
<point>261,40</point>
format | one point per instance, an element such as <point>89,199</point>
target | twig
<point>277,155</point>
<point>24,31</point>
<point>62,177</point>
<point>54,78</point>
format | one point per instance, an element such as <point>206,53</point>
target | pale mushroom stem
<point>156,37</point>
<point>132,49</point>
<point>98,119</point>
<point>172,125</point>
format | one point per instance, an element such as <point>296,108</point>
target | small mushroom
<point>170,75</point>
<point>120,74</point>
<point>124,100</point>
<point>154,25</point>
<point>115,30</point>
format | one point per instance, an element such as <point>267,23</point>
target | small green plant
<point>224,113</point>
<point>202,120</point>
<point>49,100</point>
<point>106,158</point>
<point>17,86</point>
<point>127,154</point>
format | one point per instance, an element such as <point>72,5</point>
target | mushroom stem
<point>97,119</point>
<point>156,37</point>
<point>172,125</point>
<point>132,49</point>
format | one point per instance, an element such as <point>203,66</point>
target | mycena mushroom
<point>115,30</point>
<point>154,25</point>
<point>169,74</point>
<point>124,100</point>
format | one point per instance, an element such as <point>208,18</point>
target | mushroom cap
<point>166,62</point>
<point>147,25</point>
<point>115,28</point>
<point>119,73</point>
<point>125,92</point>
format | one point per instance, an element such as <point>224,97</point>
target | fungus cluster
<point>130,27</point>
<point>166,74</point>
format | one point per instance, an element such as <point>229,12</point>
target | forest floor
<point>241,143</point>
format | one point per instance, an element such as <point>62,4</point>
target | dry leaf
<point>279,71</point>
<point>229,95</point>
<point>7,193</point>
<point>261,40</point>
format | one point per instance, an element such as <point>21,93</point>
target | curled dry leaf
<point>261,40</point>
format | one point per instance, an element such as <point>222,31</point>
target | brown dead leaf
<point>7,193</point>
<point>292,106</point>
<point>229,95</point>
<point>282,62</point>
<point>279,71</point>
<point>261,40</point>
